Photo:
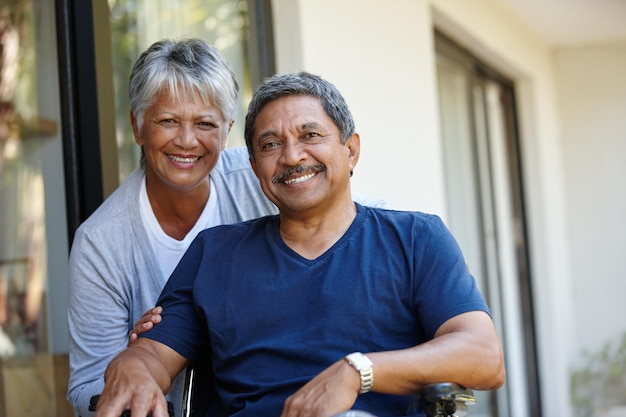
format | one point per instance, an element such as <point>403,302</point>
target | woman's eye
<point>207,125</point>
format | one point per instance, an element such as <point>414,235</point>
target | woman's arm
<point>98,317</point>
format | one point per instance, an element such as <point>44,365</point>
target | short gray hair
<point>304,84</point>
<point>186,67</point>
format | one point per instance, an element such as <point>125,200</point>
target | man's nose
<point>293,153</point>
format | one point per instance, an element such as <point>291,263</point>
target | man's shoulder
<point>247,229</point>
<point>406,215</point>
<point>404,219</point>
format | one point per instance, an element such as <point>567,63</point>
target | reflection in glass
<point>136,24</point>
<point>22,213</point>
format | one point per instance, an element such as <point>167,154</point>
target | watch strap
<point>363,365</point>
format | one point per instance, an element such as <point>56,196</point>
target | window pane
<point>136,24</point>
<point>33,272</point>
<point>23,132</point>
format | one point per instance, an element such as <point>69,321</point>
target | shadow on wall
<point>598,389</point>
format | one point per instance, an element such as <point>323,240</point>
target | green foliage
<point>601,383</point>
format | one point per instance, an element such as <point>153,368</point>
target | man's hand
<point>141,397</point>
<point>332,391</point>
<point>137,378</point>
<point>145,323</point>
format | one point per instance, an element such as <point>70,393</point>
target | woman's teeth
<point>182,160</point>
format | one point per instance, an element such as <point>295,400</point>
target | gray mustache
<point>297,170</point>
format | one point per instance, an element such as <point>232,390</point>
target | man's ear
<point>253,165</point>
<point>136,129</point>
<point>353,144</point>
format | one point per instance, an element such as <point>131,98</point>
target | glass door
<point>33,233</point>
<point>486,213</point>
<point>229,25</point>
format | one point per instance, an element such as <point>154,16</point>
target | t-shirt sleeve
<point>445,288</point>
<point>182,328</point>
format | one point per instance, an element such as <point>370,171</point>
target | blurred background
<point>505,117</point>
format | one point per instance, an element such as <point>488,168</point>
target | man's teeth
<point>300,179</point>
<point>182,160</point>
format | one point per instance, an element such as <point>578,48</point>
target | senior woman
<point>183,97</point>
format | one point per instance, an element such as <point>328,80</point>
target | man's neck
<point>312,233</point>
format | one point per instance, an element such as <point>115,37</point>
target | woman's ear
<point>136,129</point>
<point>224,140</point>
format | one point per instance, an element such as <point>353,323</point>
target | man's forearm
<point>140,361</point>
<point>138,378</point>
<point>471,357</point>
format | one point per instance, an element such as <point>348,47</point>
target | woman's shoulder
<point>119,206</point>
<point>233,159</point>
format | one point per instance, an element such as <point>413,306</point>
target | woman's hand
<point>145,323</point>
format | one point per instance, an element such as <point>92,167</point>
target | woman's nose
<point>186,135</point>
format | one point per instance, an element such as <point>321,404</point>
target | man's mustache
<point>297,170</point>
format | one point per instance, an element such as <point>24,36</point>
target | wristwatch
<point>363,365</point>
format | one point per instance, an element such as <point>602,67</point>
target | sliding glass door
<point>33,233</point>
<point>486,213</point>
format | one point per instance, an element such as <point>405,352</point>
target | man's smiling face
<point>300,160</point>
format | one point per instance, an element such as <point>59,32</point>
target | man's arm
<point>465,350</point>
<point>137,378</point>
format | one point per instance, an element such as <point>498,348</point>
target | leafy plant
<point>601,383</point>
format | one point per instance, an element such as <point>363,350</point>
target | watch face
<point>359,361</point>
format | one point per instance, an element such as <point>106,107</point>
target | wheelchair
<point>446,399</point>
<point>437,400</point>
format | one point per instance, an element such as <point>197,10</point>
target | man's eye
<point>268,145</point>
<point>167,121</point>
<point>312,135</point>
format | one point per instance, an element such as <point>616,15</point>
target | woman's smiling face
<point>181,139</point>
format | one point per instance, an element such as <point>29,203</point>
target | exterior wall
<point>569,103</point>
<point>592,101</point>
<point>382,61</point>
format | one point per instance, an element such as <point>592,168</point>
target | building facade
<point>464,110</point>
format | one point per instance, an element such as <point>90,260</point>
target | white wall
<point>591,83</point>
<point>381,56</point>
<point>382,62</point>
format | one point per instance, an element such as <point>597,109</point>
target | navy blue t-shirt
<point>271,320</point>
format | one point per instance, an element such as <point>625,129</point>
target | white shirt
<point>171,250</point>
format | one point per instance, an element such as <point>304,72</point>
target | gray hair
<point>304,84</point>
<point>184,67</point>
